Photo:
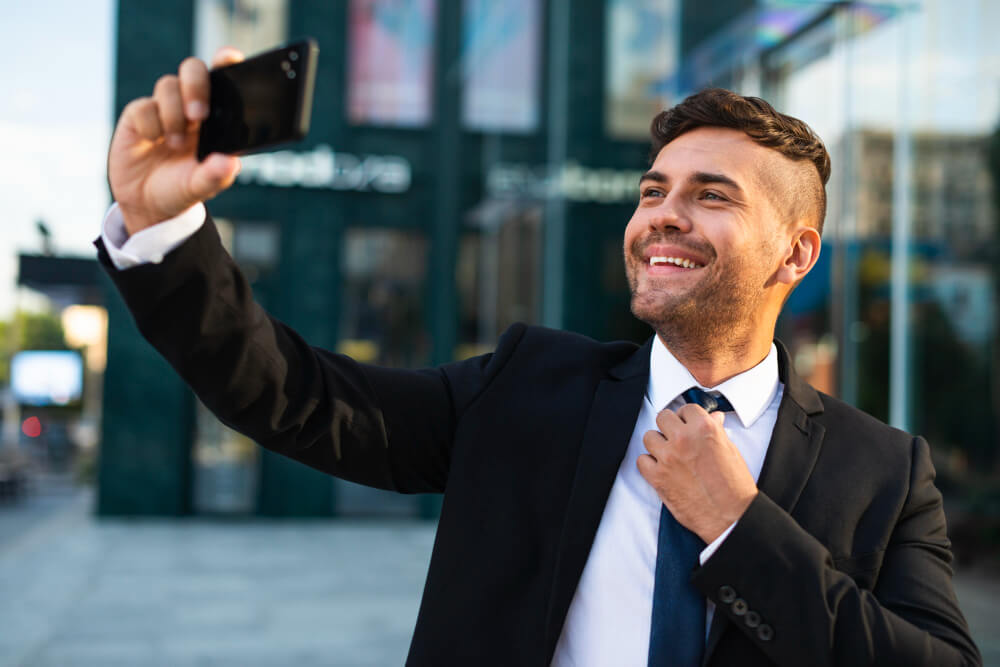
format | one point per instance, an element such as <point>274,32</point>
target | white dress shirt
<point>147,246</point>
<point>608,620</point>
<point>609,617</point>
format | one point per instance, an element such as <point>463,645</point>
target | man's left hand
<point>697,471</point>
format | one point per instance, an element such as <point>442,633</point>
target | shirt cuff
<point>149,245</point>
<point>707,552</point>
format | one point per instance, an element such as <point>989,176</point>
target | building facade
<point>473,163</point>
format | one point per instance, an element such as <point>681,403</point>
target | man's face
<point>707,237</point>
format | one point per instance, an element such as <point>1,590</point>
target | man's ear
<point>803,252</point>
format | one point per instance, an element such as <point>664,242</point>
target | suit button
<point>740,606</point>
<point>727,594</point>
<point>765,633</point>
<point>752,619</point>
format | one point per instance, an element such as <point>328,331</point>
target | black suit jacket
<point>841,560</point>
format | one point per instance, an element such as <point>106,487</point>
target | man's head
<point>805,195</point>
<point>728,221</point>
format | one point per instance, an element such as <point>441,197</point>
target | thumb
<point>719,416</point>
<point>214,175</point>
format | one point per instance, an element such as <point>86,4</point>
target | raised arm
<point>381,427</point>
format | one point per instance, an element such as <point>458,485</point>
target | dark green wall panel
<point>145,454</point>
<point>145,451</point>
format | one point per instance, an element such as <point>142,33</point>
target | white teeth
<point>677,261</point>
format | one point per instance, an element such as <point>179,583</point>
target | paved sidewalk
<point>979,596</point>
<point>76,591</point>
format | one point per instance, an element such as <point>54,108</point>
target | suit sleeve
<point>386,428</point>
<point>817,614</point>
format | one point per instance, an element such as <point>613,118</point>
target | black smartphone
<point>260,102</point>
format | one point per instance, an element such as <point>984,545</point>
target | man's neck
<point>713,366</point>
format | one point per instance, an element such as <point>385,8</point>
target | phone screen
<point>259,102</point>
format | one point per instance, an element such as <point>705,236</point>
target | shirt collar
<point>750,392</point>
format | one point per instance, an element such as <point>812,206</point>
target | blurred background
<point>471,163</point>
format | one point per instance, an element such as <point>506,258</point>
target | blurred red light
<point>32,427</point>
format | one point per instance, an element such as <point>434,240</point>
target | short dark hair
<point>717,107</point>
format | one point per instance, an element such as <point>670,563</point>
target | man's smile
<point>664,259</point>
<point>677,261</point>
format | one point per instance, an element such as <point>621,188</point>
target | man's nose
<point>669,214</point>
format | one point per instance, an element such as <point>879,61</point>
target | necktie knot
<point>710,402</point>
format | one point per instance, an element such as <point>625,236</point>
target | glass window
<point>498,272</point>
<point>382,296</point>
<point>500,64</point>
<point>391,61</point>
<point>249,25</point>
<point>642,52</point>
<point>256,248</point>
<point>912,222</point>
<point>225,467</point>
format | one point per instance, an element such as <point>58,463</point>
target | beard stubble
<point>712,316</point>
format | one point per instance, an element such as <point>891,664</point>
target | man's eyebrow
<point>653,175</point>
<point>706,178</point>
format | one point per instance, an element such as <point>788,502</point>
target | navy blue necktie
<point>677,628</point>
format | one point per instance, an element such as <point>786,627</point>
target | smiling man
<point>690,501</point>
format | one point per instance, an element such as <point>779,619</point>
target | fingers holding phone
<point>153,170</point>
<point>260,102</point>
<point>170,106</point>
<point>194,81</point>
<point>174,149</point>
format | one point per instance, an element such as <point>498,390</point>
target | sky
<point>55,125</point>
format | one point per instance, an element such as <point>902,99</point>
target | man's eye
<point>651,192</point>
<point>713,196</point>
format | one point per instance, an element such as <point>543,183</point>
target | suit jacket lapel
<point>610,422</point>
<point>791,455</point>
<point>796,440</point>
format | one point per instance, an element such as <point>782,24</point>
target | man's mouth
<point>659,260</point>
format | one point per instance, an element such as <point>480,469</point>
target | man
<point>576,472</point>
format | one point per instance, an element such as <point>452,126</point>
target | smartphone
<point>261,102</point>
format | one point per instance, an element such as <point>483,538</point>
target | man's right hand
<point>153,168</point>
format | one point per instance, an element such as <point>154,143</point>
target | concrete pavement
<point>77,591</point>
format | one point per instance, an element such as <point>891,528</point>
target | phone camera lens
<point>285,65</point>
<point>291,74</point>
<point>293,56</point>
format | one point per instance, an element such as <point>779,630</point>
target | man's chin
<point>655,310</point>
<point>661,303</point>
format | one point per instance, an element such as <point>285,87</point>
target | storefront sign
<point>324,168</point>
<point>571,181</point>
